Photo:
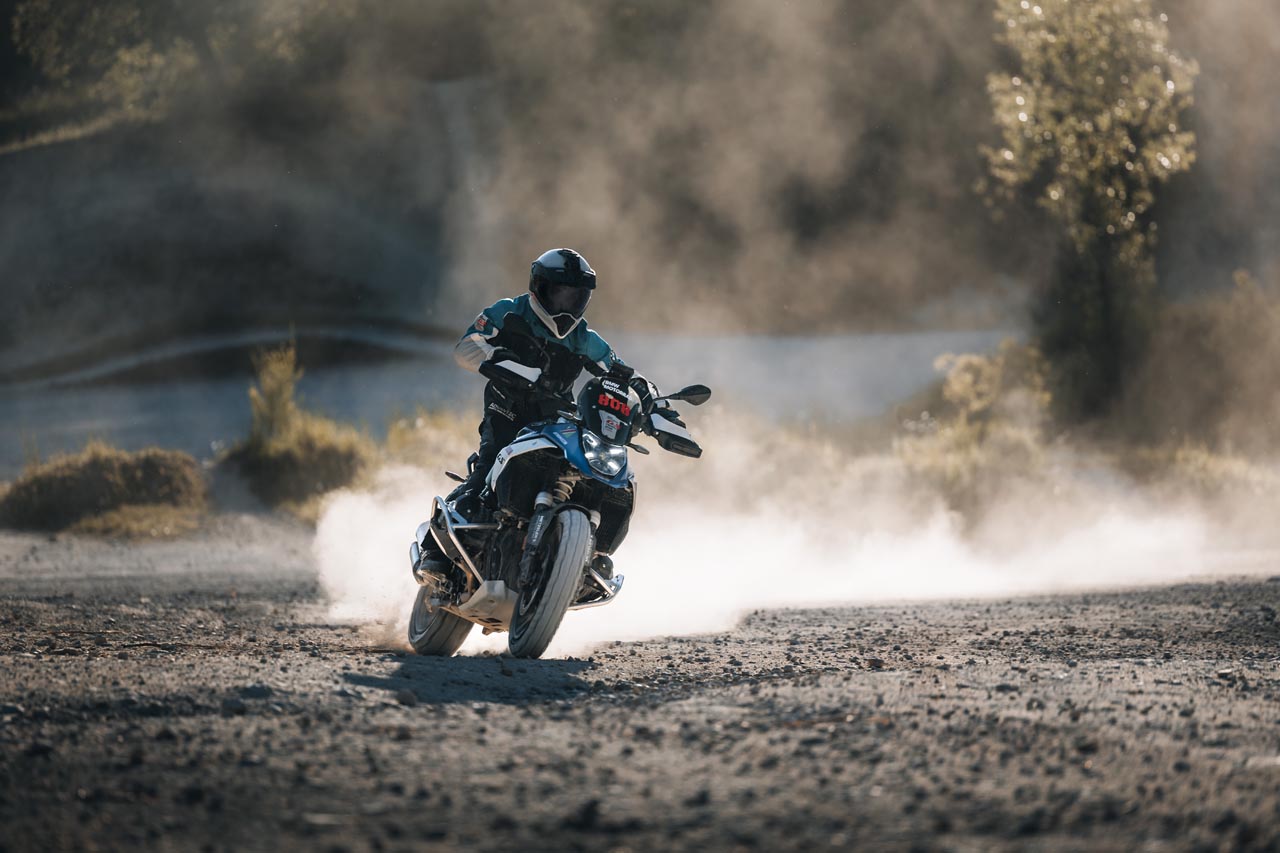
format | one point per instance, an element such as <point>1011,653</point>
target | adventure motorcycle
<point>564,493</point>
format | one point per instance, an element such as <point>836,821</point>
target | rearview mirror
<point>694,395</point>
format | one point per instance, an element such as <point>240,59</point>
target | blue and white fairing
<point>562,435</point>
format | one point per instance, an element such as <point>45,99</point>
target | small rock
<point>1086,746</point>
<point>39,747</point>
<point>233,707</point>
<point>190,795</point>
<point>407,698</point>
<point>702,798</point>
<point>586,816</point>
<point>1263,761</point>
<point>255,691</point>
<point>875,663</point>
<point>1226,673</point>
<point>319,820</point>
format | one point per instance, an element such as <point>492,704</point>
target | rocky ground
<point>193,695</point>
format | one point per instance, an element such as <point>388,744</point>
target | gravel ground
<point>193,695</point>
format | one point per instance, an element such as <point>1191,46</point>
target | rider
<point>543,328</point>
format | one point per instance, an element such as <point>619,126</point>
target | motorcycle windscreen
<point>609,409</point>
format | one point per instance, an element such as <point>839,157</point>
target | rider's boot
<point>472,498</point>
<point>432,562</point>
<point>475,506</point>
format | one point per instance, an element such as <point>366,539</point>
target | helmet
<point>561,282</point>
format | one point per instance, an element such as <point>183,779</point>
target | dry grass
<point>149,521</point>
<point>292,457</point>
<point>1193,471</point>
<point>99,480</point>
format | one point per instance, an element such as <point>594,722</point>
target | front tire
<point>539,610</point>
<point>435,632</point>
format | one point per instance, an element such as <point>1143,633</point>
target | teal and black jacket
<point>567,356</point>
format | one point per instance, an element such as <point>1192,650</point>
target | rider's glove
<point>647,392</point>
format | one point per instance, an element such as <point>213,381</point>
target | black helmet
<point>561,282</point>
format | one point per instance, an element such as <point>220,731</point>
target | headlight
<point>608,459</point>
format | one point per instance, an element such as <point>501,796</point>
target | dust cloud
<point>757,525</point>
<point>735,164</point>
<point>748,164</point>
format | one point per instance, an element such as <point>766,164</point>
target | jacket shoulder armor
<point>498,311</point>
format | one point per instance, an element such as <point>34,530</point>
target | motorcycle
<point>564,493</point>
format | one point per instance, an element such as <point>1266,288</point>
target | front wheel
<point>435,632</point>
<point>550,592</point>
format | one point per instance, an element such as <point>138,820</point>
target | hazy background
<point>171,167</point>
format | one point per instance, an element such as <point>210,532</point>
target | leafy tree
<point>127,56</point>
<point>1090,119</point>
<point>134,58</point>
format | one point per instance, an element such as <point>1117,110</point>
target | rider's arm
<point>477,342</point>
<point>599,356</point>
<point>602,359</point>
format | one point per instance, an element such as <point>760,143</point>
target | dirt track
<point>193,695</point>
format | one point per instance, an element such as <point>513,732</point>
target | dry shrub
<point>1239,495</point>
<point>1212,374</point>
<point>101,479</point>
<point>989,433</point>
<point>432,440</point>
<point>292,456</point>
<point>1194,472</point>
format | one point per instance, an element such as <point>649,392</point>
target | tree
<point>125,56</point>
<point>1090,120</point>
<point>134,59</point>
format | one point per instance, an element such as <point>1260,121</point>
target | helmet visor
<point>563,298</point>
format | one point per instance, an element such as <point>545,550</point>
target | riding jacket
<point>486,335</point>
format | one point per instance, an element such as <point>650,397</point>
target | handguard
<point>670,433</point>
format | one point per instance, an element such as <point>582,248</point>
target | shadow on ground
<point>501,680</point>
